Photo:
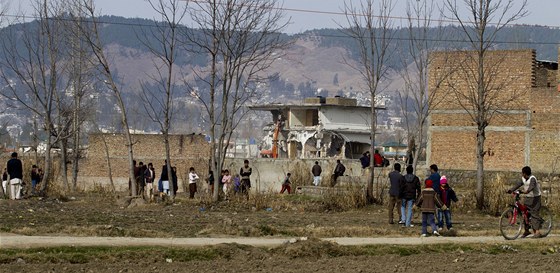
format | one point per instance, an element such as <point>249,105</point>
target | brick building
<point>524,131</point>
<point>186,151</point>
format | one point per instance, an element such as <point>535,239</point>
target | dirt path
<point>20,241</point>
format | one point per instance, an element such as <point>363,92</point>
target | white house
<point>318,127</point>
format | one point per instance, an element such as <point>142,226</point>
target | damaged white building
<point>319,127</point>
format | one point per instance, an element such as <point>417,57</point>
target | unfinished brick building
<point>525,131</point>
<point>186,151</point>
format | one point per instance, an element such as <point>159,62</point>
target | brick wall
<point>527,130</point>
<point>545,122</point>
<point>186,151</point>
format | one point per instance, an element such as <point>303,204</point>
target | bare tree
<point>417,99</point>
<point>33,73</point>
<point>81,78</point>
<point>91,37</point>
<point>241,38</point>
<point>158,99</point>
<point>370,26</point>
<point>3,9</point>
<point>480,96</point>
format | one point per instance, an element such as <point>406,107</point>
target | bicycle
<point>516,217</point>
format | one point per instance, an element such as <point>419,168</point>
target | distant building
<point>395,150</point>
<point>525,132</point>
<point>318,127</point>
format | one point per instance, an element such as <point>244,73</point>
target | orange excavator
<point>274,151</point>
<point>275,140</point>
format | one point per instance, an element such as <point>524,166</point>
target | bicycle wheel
<point>546,225</point>
<point>510,224</point>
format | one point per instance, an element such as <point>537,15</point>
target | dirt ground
<point>312,256</point>
<point>100,215</point>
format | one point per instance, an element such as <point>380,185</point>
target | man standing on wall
<point>15,172</point>
<point>245,173</point>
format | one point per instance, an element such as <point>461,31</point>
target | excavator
<point>274,151</point>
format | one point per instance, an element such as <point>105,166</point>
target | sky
<point>541,12</point>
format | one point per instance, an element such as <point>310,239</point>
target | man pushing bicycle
<point>532,191</point>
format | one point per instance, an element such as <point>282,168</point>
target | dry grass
<point>352,197</point>
<point>496,198</point>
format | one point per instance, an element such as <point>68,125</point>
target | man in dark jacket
<point>365,160</point>
<point>410,191</point>
<point>435,177</point>
<point>15,171</point>
<point>395,178</point>
<point>338,171</point>
<point>316,170</point>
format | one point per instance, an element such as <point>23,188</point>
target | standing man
<point>395,178</point>
<point>435,177</point>
<point>245,173</point>
<point>532,191</point>
<point>316,171</point>
<point>150,176</point>
<point>15,172</point>
<point>410,191</point>
<point>164,177</point>
<point>193,178</point>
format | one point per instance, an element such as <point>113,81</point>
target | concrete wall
<point>335,118</point>
<point>268,174</point>
<point>526,131</point>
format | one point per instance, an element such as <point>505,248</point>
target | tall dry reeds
<point>348,198</point>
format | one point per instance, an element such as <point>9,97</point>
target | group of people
<point>145,177</point>
<point>434,201</point>
<point>238,183</point>
<point>378,160</point>
<point>13,177</point>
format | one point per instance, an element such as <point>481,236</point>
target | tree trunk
<point>169,171</point>
<point>48,164</point>
<point>130,159</point>
<point>370,198</point>
<point>108,159</point>
<point>63,166</point>
<point>76,158</point>
<point>480,168</point>
<point>418,147</point>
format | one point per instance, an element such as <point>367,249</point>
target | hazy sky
<point>541,12</point>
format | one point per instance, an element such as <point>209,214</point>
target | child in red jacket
<point>428,202</point>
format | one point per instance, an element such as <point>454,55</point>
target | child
<point>236,183</point>
<point>447,195</point>
<point>193,178</point>
<point>427,202</point>
<point>287,184</point>
<point>226,180</point>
